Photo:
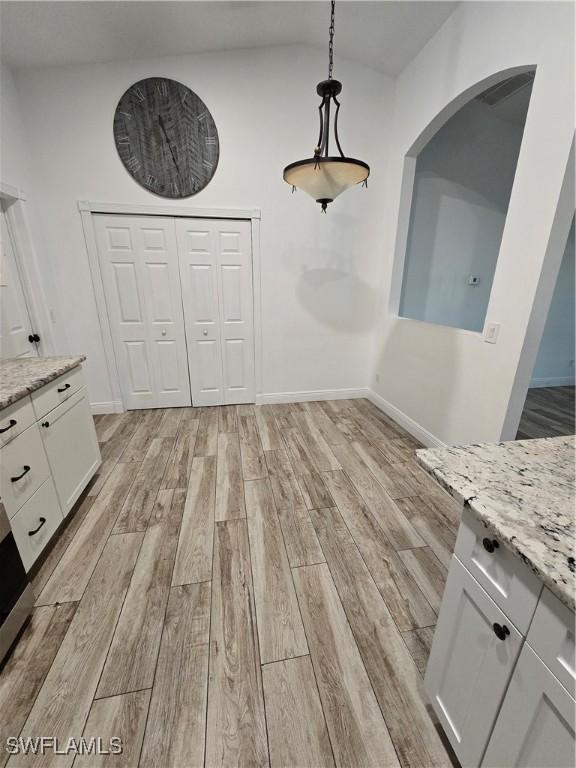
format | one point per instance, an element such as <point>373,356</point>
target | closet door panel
<point>140,272</point>
<point>234,243</point>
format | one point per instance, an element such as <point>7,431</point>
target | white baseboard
<point>114,406</point>
<point>415,429</point>
<point>558,381</point>
<point>320,394</point>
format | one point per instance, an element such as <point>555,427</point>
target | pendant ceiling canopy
<point>322,176</point>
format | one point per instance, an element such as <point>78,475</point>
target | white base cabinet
<point>48,454</point>
<point>469,666</point>
<point>535,727</point>
<point>504,699</point>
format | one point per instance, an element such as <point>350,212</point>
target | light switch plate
<point>491,333</point>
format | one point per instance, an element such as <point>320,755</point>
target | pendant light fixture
<point>324,177</point>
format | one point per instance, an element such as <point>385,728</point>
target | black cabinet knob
<point>33,338</point>
<point>490,545</point>
<point>46,424</point>
<point>501,631</point>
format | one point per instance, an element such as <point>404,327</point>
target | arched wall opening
<point>457,184</point>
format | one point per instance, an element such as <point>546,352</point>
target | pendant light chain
<point>331,43</point>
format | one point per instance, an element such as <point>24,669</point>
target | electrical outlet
<point>491,333</point>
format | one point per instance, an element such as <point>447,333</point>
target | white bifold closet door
<point>139,267</point>
<point>216,277</point>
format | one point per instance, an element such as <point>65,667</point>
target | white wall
<point>319,273</point>
<point>462,186</point>
<point>17,172</point>
<point>449,382</point>
<point>555,362</point>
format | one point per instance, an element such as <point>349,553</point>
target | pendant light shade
<point>326,178</point>
<point>322,176</point>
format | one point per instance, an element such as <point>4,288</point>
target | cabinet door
<point>469,665</point>
<point>535,727</point>
<point>72,447</point>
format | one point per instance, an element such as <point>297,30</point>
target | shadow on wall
<point>337,299</point>
<point>409,353</point>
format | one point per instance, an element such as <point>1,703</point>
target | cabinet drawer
<point>57,391</point>
<point>469,665</point>
<point>23,469</point>
<point>35,522</point>
<point>508,581</point>
<point>71,445</point>
<point>551,635</point>
<point>15,419</point>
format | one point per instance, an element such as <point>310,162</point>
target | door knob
<point>205,333</point>
<point>163,333</point>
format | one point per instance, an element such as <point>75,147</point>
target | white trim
<point>107,407</point>
<point>103,320</point>
<point>186,211</point>
<point>557,381</point>
<point>415,429</point>
<point>305,396</point>
<point>87,209</point>
<point>27,266</point>
<point>257,308</point>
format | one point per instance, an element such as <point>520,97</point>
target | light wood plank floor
<point>548,412</point>
<point>241,586</point>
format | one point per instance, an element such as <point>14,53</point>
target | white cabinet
<point>35,523</point>
<point>23,469</point>
<point>474,651</point>
<point>503,698</point>
<point>535,727</point>
<point>71,446</point>
<point>512,585</point>
<point>48,454</point>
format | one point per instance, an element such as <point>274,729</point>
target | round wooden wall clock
<point>166,137</point>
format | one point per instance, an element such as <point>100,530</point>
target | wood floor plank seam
<point>305,565</point>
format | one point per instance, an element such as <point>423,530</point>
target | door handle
<point>205,333</point>
<point>42,521</point>
<point>19,477</point>
<point>64,388</point>
<point>11,423</point>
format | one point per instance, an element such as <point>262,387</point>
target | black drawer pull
<point>490,545</point>
<point>45,424</point>
<point>12,423</point>
<point>19,477</point>
<point>501,631</point>
<point>42,521</point>
<point>64,388</point>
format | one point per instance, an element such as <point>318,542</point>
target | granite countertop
<point>23,375</point>
<point>523,492</point>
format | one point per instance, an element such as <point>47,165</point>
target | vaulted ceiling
<point>382,35</point>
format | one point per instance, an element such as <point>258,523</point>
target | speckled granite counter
<point>21,376</point>
<point>523,492</point>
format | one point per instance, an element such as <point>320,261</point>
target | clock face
<point>166,137</point>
